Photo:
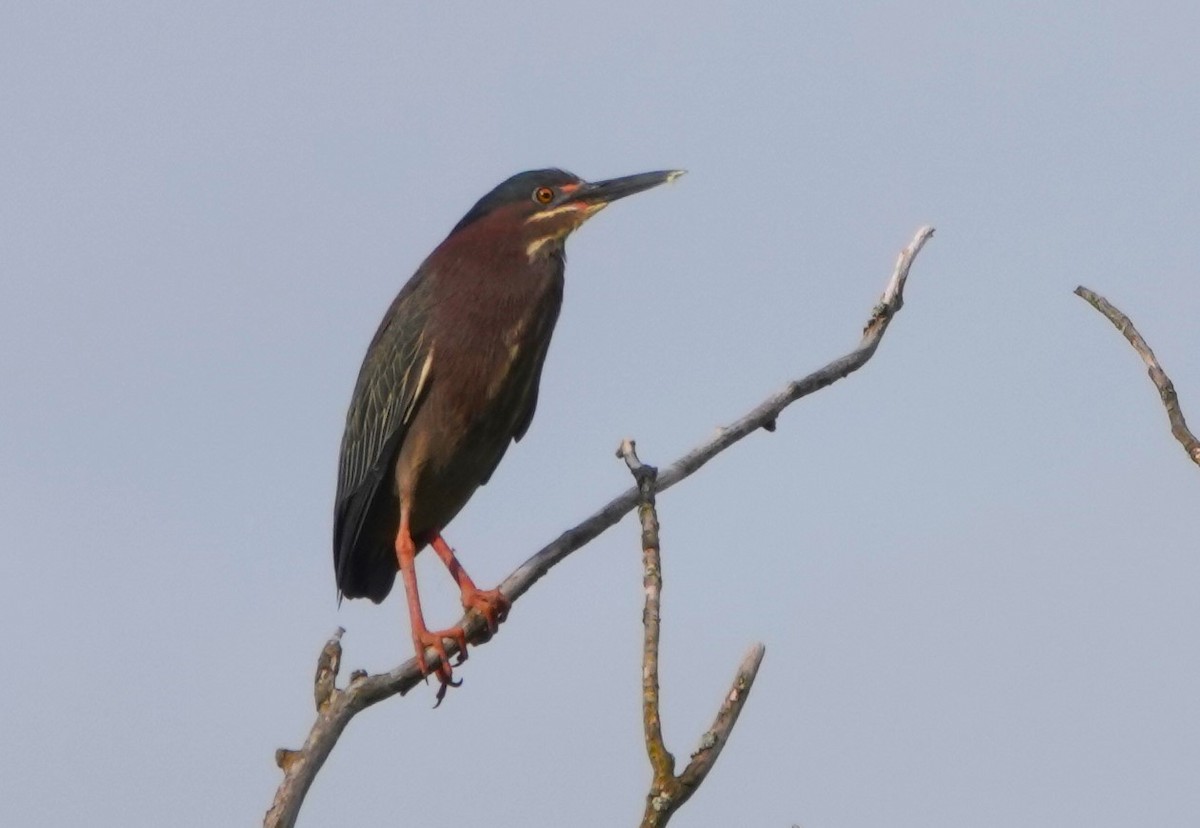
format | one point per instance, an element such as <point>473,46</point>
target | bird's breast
<point>487,360</point>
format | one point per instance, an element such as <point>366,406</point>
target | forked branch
<point>335,710</point>
<point>668,792</point>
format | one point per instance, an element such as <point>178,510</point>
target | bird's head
<point>540,208</point>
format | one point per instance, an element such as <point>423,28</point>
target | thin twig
<point>668,792</point>
<point>1166,388</point>
<point>714,739</point>
<point>661,760</point>
<point>364,691</point>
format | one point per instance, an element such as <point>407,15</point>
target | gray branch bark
<point>1166,388</point>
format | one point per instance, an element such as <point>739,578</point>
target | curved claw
<point>441,693</point>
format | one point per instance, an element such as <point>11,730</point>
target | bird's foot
<point>434,640</point>
<point>490,603</point>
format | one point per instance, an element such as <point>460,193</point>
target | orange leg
<point>489,603</point>
<point>406,552</point>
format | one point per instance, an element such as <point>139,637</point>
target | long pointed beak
<point>604,192</point>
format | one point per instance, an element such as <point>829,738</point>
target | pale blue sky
<point>974,564</point>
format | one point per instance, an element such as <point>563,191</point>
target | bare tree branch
<point>1166,389</point>
<point>668,792</point>
<point>328,664</point>
<point>363,691</point>
<point>714,739</point>
<point>662,763</point>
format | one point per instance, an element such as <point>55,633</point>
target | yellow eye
<point>543,195</point>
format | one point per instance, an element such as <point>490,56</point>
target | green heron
<point>450,379</point>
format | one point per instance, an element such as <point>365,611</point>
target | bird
<point>448,382</point>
